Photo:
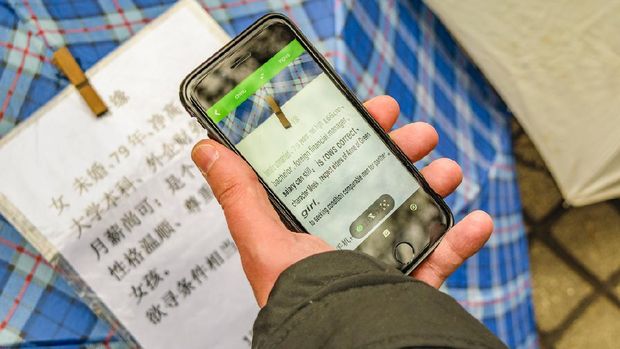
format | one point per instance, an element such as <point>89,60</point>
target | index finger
<point>384,109</point>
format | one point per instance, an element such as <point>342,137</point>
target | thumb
<point>250,216</point>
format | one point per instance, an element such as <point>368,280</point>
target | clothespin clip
<point>279,113</point>
<point>64,60</point>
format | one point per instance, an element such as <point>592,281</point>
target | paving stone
<point>598,327</point>
<point>592,235</point>
<point>539,193</point>
<point>515,127</point>
<point>557,289</point>
<point>525,150</point>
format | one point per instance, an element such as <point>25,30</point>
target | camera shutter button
<point>404,253</point>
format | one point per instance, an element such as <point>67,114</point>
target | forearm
<point>346,299</point>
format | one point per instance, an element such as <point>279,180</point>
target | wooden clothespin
<point>279,113</point>
<point>64,60</point>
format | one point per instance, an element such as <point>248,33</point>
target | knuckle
<point>231,192</point>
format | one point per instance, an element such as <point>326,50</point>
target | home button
<point>404,253</point>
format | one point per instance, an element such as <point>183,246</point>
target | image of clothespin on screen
<point>279,113</point>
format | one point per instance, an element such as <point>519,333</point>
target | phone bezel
<point>190,104</point>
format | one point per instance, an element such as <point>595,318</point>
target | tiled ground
<point>575,256</point>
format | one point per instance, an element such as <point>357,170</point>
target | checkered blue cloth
<point>282,87</point>
<point>396,47</point>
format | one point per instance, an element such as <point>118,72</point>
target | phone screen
<point>317,152</point>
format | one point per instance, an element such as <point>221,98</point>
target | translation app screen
<point>314,150</point>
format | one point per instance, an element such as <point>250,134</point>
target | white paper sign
<point>120,199</point>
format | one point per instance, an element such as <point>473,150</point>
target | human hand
<point>267,247</point>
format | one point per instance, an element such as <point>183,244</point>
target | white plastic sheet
<point>557,66</point>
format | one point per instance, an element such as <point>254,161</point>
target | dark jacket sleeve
<point>346,299</point>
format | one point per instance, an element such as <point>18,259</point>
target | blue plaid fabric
<point>37,306</point>
<point>282,87</point>
<point>396,47</point>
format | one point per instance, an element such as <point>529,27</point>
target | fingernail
<point>204,156</point>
